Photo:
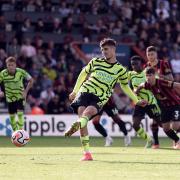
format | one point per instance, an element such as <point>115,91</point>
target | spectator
<point>57,26</point>
<point>40,25</point>
<point>53,106</point>
<point>47,95</point>
<point>13,48</point>
<point>49,58</point>
<point>26,27</point>
<point>45,82</point>
<point>175,64</point>
<point>161,11</point>
<point>49,71</point>
<point>3,56</point>
<point>27,49</point>
<point>64,9</point>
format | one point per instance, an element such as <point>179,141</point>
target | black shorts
<point>110,108</point>
<point>86,99</point>
<point>170,113</point>
<point>152,111</point>
<point>13,107</point>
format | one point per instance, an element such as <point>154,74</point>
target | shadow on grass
<point>138,162</point>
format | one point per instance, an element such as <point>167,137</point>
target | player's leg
<point>102,131</point>
<point>122,126</point>
<point>20,114</point>
<point>84,137</point>
<point>170,132</point>
<point>91,102</point>
<point>155,129</point>
<point>12,115</point>
<point>167,116</point>
<point>112,111</point>
<point>154,113</point>
<point>87,114</point>
<point>175,111</point>
<point>138,115</point>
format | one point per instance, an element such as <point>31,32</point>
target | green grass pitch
<point>51,158</point>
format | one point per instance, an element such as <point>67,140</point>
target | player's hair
<point>136,58</point>
<point>150,70</point>
<point>151,48</point>
<point>108,41</point>
<point>11,59</point>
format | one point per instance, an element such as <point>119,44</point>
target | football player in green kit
<point>94,87</point>
<point>12,80</point>
<point>137,77</point>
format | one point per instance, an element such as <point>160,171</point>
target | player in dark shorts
<point>112,111</point>
<point>169,100</point>
<point>12,79</point>
<point>162,69</point>
<point>93,89</point>
<point>136,77</point>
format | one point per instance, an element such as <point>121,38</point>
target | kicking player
<point>12,80</point>
<point>137,77</point>
<point>169,100</point>
<point>112,111</point>
<point>90,95</point>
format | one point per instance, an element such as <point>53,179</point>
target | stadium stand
<point>39,34</point>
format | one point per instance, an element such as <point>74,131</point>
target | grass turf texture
<point>58,158</point>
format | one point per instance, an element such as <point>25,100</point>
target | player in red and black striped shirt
<point>163,70</point>
<point>162,67</point>
<point>165,92</point>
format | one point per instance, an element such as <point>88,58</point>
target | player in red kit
<point>169,101</point>
<point>163,70</point>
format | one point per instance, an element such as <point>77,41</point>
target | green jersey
<point>136,79</point>
<point>102,78</point>
<point>13,84</point>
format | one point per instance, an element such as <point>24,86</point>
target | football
<point>20,138</point>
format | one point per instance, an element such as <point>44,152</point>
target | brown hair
<point>108,41</point>
<point>151,48</point>
<point>11,59</point>
<point>150,70</point>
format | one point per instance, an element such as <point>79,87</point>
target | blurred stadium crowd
<point>39,33</point>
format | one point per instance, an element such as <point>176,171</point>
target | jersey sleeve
<point>129,75</point>
<point>26,75</point>
<point>166,69</point>
<point>89,67</point>
<point>166,83</point>
<point>123,78</point>
<point>1,77</point>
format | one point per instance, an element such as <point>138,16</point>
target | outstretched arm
<point>176,86</point>
<point>129,92</point>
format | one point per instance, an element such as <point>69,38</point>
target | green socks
<point>20,122</point>
<point>85,143</point>
<point>143,134</point>
<point>13,122</point>
<point>83,121</point>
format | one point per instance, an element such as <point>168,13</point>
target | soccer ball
<point>20,138</point>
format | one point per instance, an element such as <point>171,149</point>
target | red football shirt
<point>162,68</point>
<point>164,92</point>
